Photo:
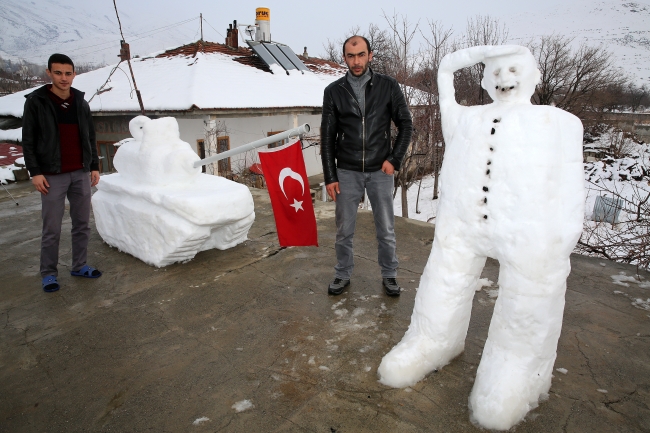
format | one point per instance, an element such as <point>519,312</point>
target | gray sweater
<point>358,84</point>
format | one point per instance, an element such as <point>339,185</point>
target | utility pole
<point>201,19</point>
<point>125,54</point>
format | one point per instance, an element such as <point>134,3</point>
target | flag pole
<point>295,132</point>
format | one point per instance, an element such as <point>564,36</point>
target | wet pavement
<point>247,340</point>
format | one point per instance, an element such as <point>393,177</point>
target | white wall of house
<point>243,130</point>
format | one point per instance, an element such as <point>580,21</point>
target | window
<point>223,145</point>
<point>106,151</point>
<point>277,143</point>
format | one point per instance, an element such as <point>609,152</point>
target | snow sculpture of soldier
<point>512,188</point>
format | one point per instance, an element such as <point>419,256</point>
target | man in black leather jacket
<point>358,156</point>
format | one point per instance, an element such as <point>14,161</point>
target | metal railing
<point>295,132</point>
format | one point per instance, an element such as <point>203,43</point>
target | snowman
<point>512,188</point>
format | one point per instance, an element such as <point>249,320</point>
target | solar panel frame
<point>263,53</point>
<point>287,51</point>
<point>279,56</point>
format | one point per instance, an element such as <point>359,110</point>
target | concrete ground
<point>179,349</point>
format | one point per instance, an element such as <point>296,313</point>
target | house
<point>222,95</point>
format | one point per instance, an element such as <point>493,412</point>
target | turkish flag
<point>286,179</point>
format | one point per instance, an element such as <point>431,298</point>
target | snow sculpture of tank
<point>161,209</point>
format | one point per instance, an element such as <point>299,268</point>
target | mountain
<point>87,31</point>
<point>622,26</point>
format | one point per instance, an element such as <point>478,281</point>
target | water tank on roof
<point>263,21</point>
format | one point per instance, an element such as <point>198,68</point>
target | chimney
<point>263,21</point>
<point>232,35</point>
<point>304,54</point>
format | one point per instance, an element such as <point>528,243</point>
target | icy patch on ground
<point>201,420</point>
<point>562,370</point>
<point>636,302</point>
<point>243,405</point>
<point>622,280</point>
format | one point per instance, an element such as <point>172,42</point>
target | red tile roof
<point>246,56</point>
<point>9,153</point>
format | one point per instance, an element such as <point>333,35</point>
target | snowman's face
<point>511,78</point>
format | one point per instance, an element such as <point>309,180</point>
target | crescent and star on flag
<point>287,172</point>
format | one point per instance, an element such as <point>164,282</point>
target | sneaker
<point>391,287</point>
<point>336,287</point>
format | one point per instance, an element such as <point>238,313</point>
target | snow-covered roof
<point>201,75</point>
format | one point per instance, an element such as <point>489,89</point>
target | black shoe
<point>336,287</point>
<point>391,287</point>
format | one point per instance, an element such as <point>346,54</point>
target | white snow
<point>159,208</point>
<point>208,81</point>
<point>201,420</point>
<point>483,282</point>
<point>243,405</point>
<point>12,134</point>
<point>6,175</point>
<point>511,188</point>
<point>562,370</point>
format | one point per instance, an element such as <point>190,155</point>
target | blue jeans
<point>379,187</point>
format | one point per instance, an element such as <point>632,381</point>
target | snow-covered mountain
<point>622,26</point>
<point>87,31</point>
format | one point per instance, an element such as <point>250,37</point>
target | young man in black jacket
<point>60,149</point>
<point>358,156</point>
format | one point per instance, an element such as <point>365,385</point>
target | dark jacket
<point>363,143</point>
<point>41,147</point>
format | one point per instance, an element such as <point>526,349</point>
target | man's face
<point>61,76</point>
<point>357,56</point>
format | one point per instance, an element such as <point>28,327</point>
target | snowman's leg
<point>519,354</point>
<point>441,313</point>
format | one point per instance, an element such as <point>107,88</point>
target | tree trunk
<point>436,174</point>
<point>405,203</point>
<point>417,199</point>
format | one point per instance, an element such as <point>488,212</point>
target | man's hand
<point>388,168</point>
<point>94,178</point>
<point>333,190</point>
<point>40,183</point>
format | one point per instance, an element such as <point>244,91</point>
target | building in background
<point>222,95</point>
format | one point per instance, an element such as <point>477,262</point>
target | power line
<point>206,21</point>
<point>136,37</point>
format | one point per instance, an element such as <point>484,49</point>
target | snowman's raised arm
<point>463,59</point>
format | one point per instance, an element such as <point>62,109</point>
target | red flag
<point>286,179</point>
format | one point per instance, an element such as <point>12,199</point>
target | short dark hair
<point>59,58</point>
<point>357,36</point>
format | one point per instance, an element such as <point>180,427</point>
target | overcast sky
<point>312,23</point>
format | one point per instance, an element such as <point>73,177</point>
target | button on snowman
<point>511,188</point>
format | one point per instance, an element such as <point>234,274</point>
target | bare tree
<point>627,241</point>
<point>480,30</point>
<point>402,65</point>
<point>636,97</point>
<point>379,44</point>
<point>573,78</point>
<point>427,121</point>
<point>213,131</point>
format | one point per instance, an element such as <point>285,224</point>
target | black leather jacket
<point>362,143</point>
<point>41,147</point>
